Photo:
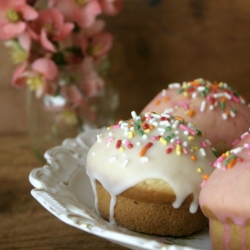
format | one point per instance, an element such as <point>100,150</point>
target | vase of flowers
<point>62,49</point>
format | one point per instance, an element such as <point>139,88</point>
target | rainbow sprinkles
<point>215,96</point>
<point>230,158</point>
<point>166,125</point>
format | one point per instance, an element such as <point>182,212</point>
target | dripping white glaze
<point>176,168</point>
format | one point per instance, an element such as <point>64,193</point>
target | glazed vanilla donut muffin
<point>146,174</point>
<point>207,105</point>
<point>225,198</point>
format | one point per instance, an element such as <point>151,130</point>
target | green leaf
<point>59,58</point>
<point>75,50</point>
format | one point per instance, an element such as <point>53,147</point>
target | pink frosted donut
<point>225,198</point>
<point>218,110</point>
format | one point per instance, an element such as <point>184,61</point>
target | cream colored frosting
<point>207,105</point>
<point>119,167</point>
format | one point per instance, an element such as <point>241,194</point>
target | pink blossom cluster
<point>64,33</point>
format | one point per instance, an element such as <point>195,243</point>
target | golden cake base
<point>149,211</point>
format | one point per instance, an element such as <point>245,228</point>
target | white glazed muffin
<point>207,105</point>
<point>146,174</point>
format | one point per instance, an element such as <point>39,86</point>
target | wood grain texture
<point>24,223</point>
<point>177,41</point>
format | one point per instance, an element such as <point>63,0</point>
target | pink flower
<point>45,73</point>
<point>50,27</point>
<point>111,7</point>
<point>19,78</point>
<point>72,95</point>
<point>77,101</point>
<point>45,67</point>
<point>40,78</point>
<point>92,82</point>
<point>95,27</point>
<point>24,41</point>
<point>13,17</point>
<point>19,48</point>
<point>83,12</point>
<point>98,45</point>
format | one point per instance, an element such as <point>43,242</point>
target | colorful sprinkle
<point>205,176</point>
<point>244,136</point>
<point>143,151</point>
<point>125,163</point>
<point>112,159</point>
<point>178,149</point>
<point>163,141</point>
<point>203,106</point>
<point>203,152</point>
<point>193,157</point>
<point>169,150</point>
<point>191,131</point>
<point>110,139</point>
<point>149,145</point>
<point>118,144</point>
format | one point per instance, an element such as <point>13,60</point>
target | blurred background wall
<point>158,42</point>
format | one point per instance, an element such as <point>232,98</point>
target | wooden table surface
<point>24,223</point>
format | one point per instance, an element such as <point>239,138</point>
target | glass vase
<point>51,118</point>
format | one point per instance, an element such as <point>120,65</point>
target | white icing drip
<point>112,209</point>
<point>93,184</point>
<point>194,206</point>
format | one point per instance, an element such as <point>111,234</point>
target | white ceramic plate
<point>64,189</point>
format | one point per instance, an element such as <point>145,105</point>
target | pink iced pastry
<point>225,198</point>
<point>218,110</point>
